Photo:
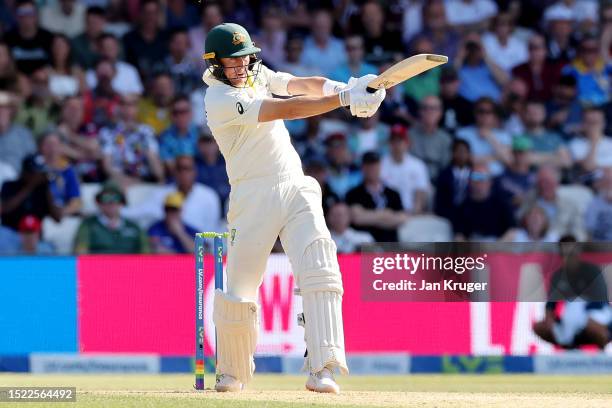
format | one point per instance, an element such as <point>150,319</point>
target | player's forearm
<point>310,86</point>
<point>298,107</point>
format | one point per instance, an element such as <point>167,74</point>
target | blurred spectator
<point>413,16</point>
<point>154,110</point>
<point>108,232</point>
<point>9,241</point>
<point>592,73</point>
<point>79,140</point>
<point>129,147</point>
<point>606,30</point>
<point>343,174</point>
<point>452,182</point>
<point>559,22</point>
<point>548,146</point>
<point>272,37</point>
<point>16,142</point>
<point>512,106</point>
<point>292,63</point>
<point>517,179</point>
<point>85,45</point>
<point>369,134</point>
<point>534,227</point>
<point>101,102</point>
<point>30,242</point>
<point>30,44</point>
<point>181,138</point>
<point>63,180</point>
<point>474,14</point>
<point>125,79</point>
<point>321,49</point>
<point>502,44</point>
<point>488,143</point>
<point>593,149</point>
<point>181,13</point>
<point>210,16</point>
<point>479,76</point>
<point>171,235</point>
<point>145,46</point>
<point>375,208</point>
<point>29,195</point>
<point>457,110</point>
<point>563,214</point>
<point>483,216</point>
<point>7,173</point>
<point>347,239</point>
<point>317,169</point>
<point>563,110</point>
<point>381,43</point>
<point>539,73</point>
<point>63,16</point>
<point>10,79</point>
<point>427,83</point>
<point>428,141</point>
<point>355,65</point>
<point>38,112</point>
<point>65,78</point>
<point>211,167</point>
<point>240,12</point>
<point>436,29</point>
<point>184,70</point>
<point>598,221</point>
<point>405,173</point>
<point>397,107</point>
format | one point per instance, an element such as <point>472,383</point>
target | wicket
<point>199,292</point>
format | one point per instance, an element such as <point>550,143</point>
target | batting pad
<point>321,288</point>
<point>237,326</point>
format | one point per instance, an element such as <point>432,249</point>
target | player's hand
<point>362,103</point>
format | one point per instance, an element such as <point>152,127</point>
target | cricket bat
<point>405,70</point>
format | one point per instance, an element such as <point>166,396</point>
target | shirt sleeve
<point>232,107</point>
<point>277,81</point>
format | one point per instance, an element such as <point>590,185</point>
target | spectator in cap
<point>502,44</point>
<point>30,194</point>
<point>457,111</point>
<point>63,180</point>
<point>355,66</point>
<point>125,79</point>
<point>452,182</point>
<point>548,147</point>
<point>30,44</point>
<point>598,215</point>
<point>405,173</point>
<point>347,239</point>
<point>375,208</point>
<point>517,179</point>
<point>16,141</point>
<point>343,174</point>
<point>593,148</point>
<point>171,235</point>
<point>84,45</point>
<point>317,168</point>
<point>428,141</point>
<point>539,73</point>
<point>210,167</point>
<point>488,143</point>
<point>563,110</point>
<point>30,242</point>
<point>483,216</point>
<point>108,232</point>
<point>559,25</point>
<point>592,72</point>
<point>64,16</point>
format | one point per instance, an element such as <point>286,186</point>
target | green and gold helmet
<point>229,40</point>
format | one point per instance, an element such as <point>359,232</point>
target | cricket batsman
<point>271,197</point>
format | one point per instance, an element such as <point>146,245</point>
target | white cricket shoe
<point>227,383</point>
<point>323,381</point>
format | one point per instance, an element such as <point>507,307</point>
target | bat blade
<point>406,69</point>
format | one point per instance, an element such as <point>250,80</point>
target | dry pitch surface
<point>276,391</point>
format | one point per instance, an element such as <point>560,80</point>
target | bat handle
<point>371,90</point>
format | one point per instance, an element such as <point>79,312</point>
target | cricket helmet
<point>229,40</point>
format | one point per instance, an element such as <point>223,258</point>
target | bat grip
<point>371,90</point>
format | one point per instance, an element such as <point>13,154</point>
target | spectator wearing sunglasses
<point>181,138</point>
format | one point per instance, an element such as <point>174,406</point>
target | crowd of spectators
<point>109,93</point>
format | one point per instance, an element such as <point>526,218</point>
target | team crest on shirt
<point>238,38</point>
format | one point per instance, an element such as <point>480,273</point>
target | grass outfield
<point>283,391</point>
